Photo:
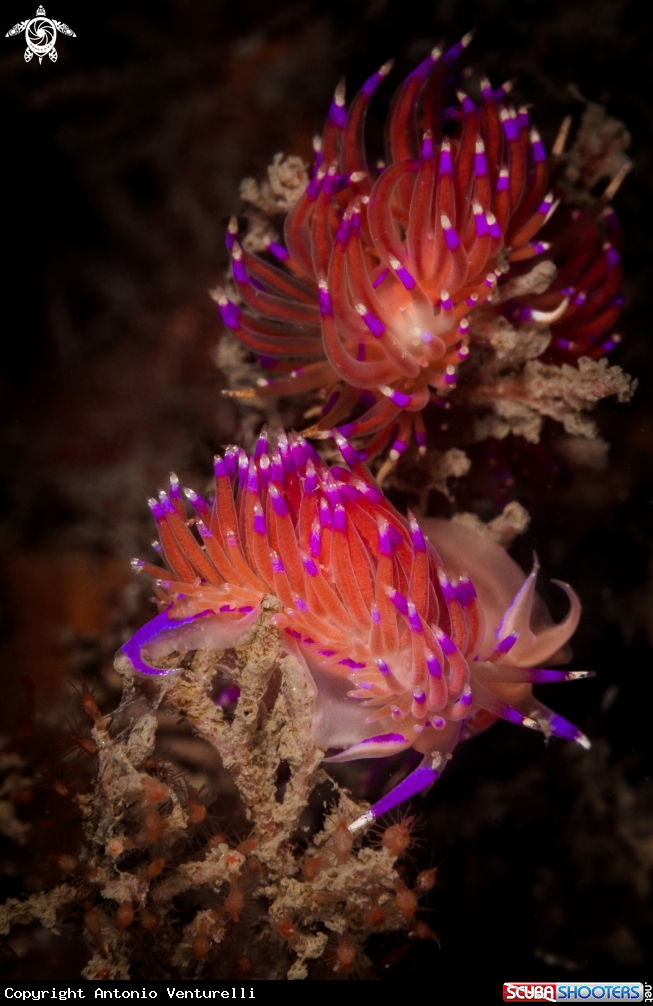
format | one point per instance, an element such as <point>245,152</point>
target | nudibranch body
<point>410,635</point>
<point>371,296</point>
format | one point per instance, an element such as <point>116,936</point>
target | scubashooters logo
<point>40,35</point>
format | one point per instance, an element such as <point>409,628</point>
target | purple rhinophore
<point>379,279</point>
<point>412,784</point>
<point>309,565</point>
<point>278,502</point>
<point>230,315</point>
<point>375,326</point>
<point>399,601</point>
<point>434,666</point>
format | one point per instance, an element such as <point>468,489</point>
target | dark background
<point>121,166</point>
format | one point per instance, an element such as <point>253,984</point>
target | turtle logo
<point>40,35</point>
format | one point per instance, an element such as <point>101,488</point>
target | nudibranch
<point>412,635</point>
<point>371,296</point>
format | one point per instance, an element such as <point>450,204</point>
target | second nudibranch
<point>412,634</point>
<point>373,296</point>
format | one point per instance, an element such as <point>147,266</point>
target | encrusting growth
<point>391,277</point>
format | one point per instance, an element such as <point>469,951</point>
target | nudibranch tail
<point>372,296</point>
<point>401,647</point>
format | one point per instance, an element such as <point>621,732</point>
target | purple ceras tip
<point>324,299</point>
<point>278,251</point>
